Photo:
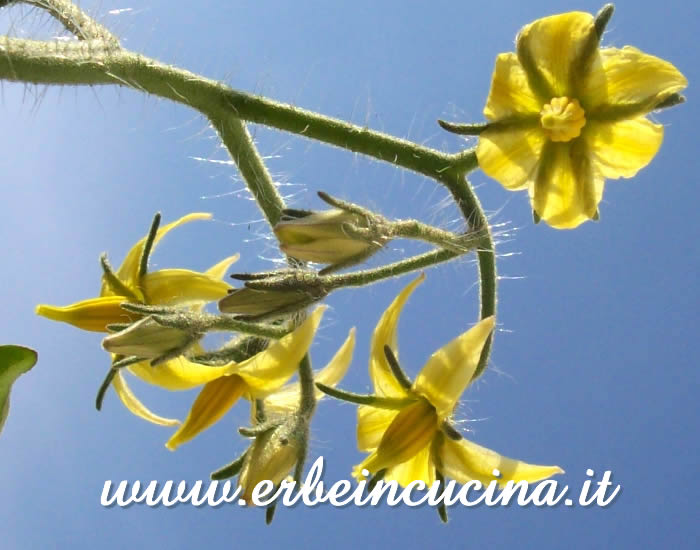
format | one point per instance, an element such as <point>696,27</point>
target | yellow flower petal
<point>621,149</point>
<point>450,369</point>
<point>287,399</point>
<point>419,467</point>
<point>510,94</point>
<point>218,271</point>
<point>93,314</point>
<point>128,272</point>
<point>566,191</point>
<point>555,45</point>
<point>213,402</point>
<point>173,287</point>
<point>510,156</point>
<point>178,373</point>
<point>372,422</point>
<point>135,406</point>
<point>464,461</point>
<point>627,75</point>
<point>270,369</point>
<point>385,335</point>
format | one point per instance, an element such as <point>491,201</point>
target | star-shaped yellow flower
<point>170,287</point>
<point>254,378</point>
<point>565,115</point>
<point>410,442</point>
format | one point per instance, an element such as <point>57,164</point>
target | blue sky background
<point>595,363</point>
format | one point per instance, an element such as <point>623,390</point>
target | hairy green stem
<point>307,399</point>
<point>228,323</point>
<point>413,229</point>
<point>237,139</point>
<point>75,20</point>
<point>469,204</point>
<point>97,62</point>
<point>368,276</point>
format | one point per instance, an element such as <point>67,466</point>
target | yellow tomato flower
<point>564,115</point>
<point>172,287</point>
<point>409,443</point>
<point>254,378</point>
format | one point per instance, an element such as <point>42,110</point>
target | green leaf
<point>14,361</point>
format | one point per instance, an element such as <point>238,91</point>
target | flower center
<point>562,119</point>
<point>412,429</point>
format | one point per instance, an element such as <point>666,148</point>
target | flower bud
<point>271,457</point>
<point>146,338</point>
<point>268,303</point>
<point>323,237</point>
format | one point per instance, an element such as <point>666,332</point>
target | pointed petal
<point>270,369</point>
<point>566,190</point>
<point>287,399</point>
<point>218,271</point>
<point>510,156</point>
<point>178,373</point>
<point>372,422</point>
<point>213,402</point>
<point>128,272</point>
<point>463,461</point>
<point>621,149</point>
<point>450,369</point>
<point>385,335</point>
<point>555,44</point>
<point>510,94</point>
<point>627,75</point>
<point>418,468</point>
<point>135,406</point>
<point>174,287</point>
<point>93,314</point>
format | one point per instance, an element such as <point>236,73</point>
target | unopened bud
<point>268,303</point>
<point>271,456</point>
<point>148,339</point>
<point>325,237</point>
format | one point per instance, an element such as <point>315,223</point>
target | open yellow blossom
<point>408,442</point>
<point>172,287</point>
<point>565,115</point>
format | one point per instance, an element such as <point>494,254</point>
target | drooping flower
<point>565,115</point>
<point>168,287</point>
<point>254,378</point>
<point>409,442</point>
<point>275,451</point>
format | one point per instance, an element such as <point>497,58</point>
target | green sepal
<point>229,470</point>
